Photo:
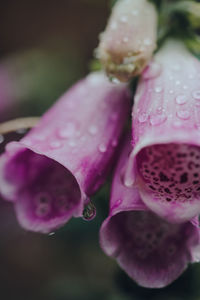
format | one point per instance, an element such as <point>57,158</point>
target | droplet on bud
<point>89,212</point>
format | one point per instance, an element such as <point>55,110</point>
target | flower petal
<point>165,162</point>
<point>53,170</point>
<point>152,251</point>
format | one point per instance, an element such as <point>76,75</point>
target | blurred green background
<point>46,46</point>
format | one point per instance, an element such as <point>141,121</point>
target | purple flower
<point>129,40</point>
<point>52,171</point>
<point>150,250</point>
<point>165,162</point>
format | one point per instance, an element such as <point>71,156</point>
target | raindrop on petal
<point>89,212</point>
<point>93,130</point>
<point>158,89</point>
<point>152,71</point>
<point>196,95</point>
<point>102,148</point>
<point>183,114</point>
<point>1,138</point>
<point>158,119</point>
<point>181,99</point>
<point>143,118</point>
<point>68,131</point>
<point>55,144</point>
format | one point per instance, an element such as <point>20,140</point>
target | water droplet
<point>143,118</point>
<point>158,119</point>
<point>125,39</point>
<point>171,91</point>
<point>135,12</point>
<point>158,89</point>
<point>128,182</point>
<point>177,82</point>
<point>124,19</point>
<point>1,138</point>
<point>55,144</point>
<point>115,80</point>
<point>196,95</point>
<point>191,76</point>
<point>114,143</point>
<point>102,148</point>
<point>72,143</point>
<point>185,87</point>
<point>68,131</point>
<point>89,212</point>
<point>21,131</point>
<point>93,130</point>
<point>152,71</point>
<point>160,110</point>
<point>113,26</point>
<point>183,114</point>
<point>176,67</point>
<point>51,233</point>
<point>181,99</point>
<point>147,42</point>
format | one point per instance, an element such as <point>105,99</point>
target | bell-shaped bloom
<point>128,42</point>
<point>165,162</point>
<point>52,171</point>
<point>150,250</point>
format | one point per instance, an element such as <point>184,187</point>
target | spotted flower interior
<point>152,251</point>
<point>170,172</point>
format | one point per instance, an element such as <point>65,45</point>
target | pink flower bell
<point>52,171</point>
<point>165,162</point>
<point>150,250</point>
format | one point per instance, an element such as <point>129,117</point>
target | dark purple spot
<point>152,187</point>
<point>184,178</point>
<point>167,191</point>
<point>168,199</point>
<point>163,177</point>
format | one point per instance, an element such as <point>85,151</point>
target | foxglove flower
<point>52,171</point>
<point>165,162</point>
<point>129,40</point>
<point>150,250</point>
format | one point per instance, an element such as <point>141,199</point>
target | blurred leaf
<point>95,65</point>
<point>193,43</point>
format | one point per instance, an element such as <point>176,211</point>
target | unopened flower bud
<point>129,40</point>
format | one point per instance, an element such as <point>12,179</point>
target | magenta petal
<point>150,250</point>
<point>51,172</point>
<point>165,162</point>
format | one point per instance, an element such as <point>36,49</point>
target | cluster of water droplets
<point>184,97</point>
